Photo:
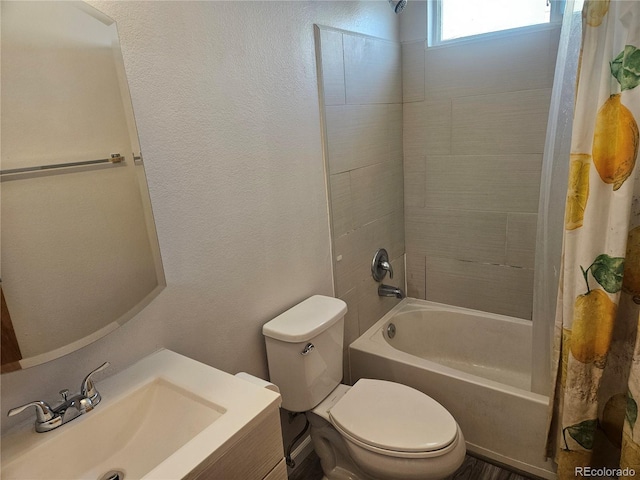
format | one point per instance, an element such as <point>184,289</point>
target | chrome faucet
<point>389,291</point>
<point>48,418</point>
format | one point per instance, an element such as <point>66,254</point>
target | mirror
<point>79,251</point>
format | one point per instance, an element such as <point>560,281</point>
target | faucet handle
<point>88,388</point>
<point>387,266</point>
<point>43,411</point>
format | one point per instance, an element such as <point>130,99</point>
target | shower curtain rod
<point>114,158</point>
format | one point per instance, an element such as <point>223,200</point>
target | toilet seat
<point>394,419</point>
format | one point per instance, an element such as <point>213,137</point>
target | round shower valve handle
<point>308,348</point>
<point>380,265</point>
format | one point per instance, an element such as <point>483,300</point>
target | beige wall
<point>55,47</point>
<point>226,102</point>
<point>475,117</point>
<point>362,95</point>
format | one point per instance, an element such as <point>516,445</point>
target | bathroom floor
<point>475,469</point>
<point>471,469</point>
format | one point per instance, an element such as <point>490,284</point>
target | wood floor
<point>471,469</point>
<point>476,469</point>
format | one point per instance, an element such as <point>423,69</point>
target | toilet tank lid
<point>306,319</point>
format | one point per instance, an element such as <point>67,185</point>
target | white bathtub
<point>474,363</point>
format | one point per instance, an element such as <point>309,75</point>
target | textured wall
<point>475,117</point>
<point>362,104</point>
<point>225,97</point>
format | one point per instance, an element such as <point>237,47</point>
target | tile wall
<point>475,118</point>
<point>361,91</point>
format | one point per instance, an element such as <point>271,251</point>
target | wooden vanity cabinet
<point>255,453</point>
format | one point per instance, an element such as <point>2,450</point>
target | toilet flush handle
<point>307,349</point>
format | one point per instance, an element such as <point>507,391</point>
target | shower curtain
<point>553,190</point>
<point>594,407</point>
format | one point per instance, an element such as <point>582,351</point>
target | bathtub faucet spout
<point>389,291</point>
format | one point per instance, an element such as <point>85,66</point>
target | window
<point>455,19</point>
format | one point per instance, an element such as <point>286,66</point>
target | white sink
<point>159,419</point>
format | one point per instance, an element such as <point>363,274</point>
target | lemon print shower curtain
<point>594,419</point>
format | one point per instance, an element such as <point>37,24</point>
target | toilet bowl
<point>375,430</point>
<point>387,431</point>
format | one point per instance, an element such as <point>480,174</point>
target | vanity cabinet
<point>164,417</point>
<point>255,453</point>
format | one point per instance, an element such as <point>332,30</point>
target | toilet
<point>374,430</point>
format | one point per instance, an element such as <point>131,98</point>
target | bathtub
<point>474,363</point>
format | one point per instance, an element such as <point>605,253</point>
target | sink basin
<point>161,418</point>
<point>120,435</point>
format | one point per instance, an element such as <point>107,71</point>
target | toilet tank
<point>304,351</point>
